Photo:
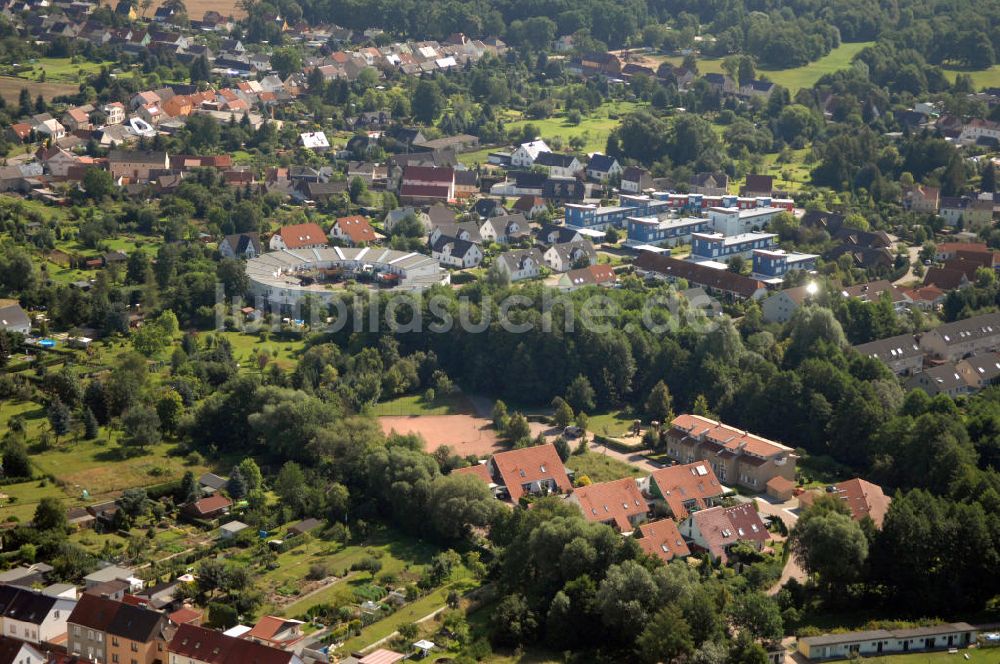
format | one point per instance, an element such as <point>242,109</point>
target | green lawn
<point>594,127</point>
<point>612,423</point>
<point>601,468</point>
<point>456,404</point>
<point>984,78</point>
<point>60,70</point>
<point>992,656</point>
<point>797,77</point>
<point>807,75</point>
<point>283,352</point>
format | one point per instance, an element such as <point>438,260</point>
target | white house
<point>504,229</point>
<point>33,616</point>
<point>241,245</point>
<point>454,252</point>
<point>51,128</point>
<point>603,168</point>
<point>14,319</point>
<point>521,264</point>
<point>526,153</point>
<point>559,164</point>
<point>566,256</point>
<point>19,652</point>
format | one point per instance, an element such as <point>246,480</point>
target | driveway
<point>909,277</point>
<point>788,513</point>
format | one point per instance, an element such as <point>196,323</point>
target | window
<point>114,659</point>
<point>135,647</point>
<point>114,640</point>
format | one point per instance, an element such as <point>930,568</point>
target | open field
<point>984,78</point>
<point>196,8</point>
<point>795,78</point>
<point>465,434</point>
<point>974,655</point>
<point>457,404</point>
<point>611,423</point>
<point>807,75</point>
<point>10,89</point>
<point>59,70</point>
<point>601,468</point>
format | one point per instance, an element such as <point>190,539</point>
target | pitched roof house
<point>863,498</point>
<point>32,615</point>
<point>685,488</point>
<point>953,341</point>
<point>208,508</point>
<point>241,245</point>
<point>197,645</point>
<point>663,539</point>
<point>618,503</point>
<point>718,529</point>
<point>530,470</point>
<point>521,263</point>
<point>724,282</point>
<point>901,353</point>
<point>353,231</point>
<point>298,236</point>
<point>592,275</point>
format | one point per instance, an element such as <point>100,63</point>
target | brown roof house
<point>862,497</point>
<point>534,470</point>
<point>618,504</point>
<point>685,488</point>
<point>736,456</point>
<point>208,508</point>
<point>663,539</point>
<point>353,231</point>
<point>298,236</point>
<point>718,529</point>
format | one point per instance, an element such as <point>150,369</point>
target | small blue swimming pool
<point>47,343</point>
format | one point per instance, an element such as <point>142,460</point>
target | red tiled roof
<point>721,527</point>
<point>356,228</point>
<point>477,470</point>
<point>185,616</point>
<point>530,464</point>
<point>729,437</point>
<point>663,539</point>
<point>94,612</point>
<point>699,275</point>
<point>206,645</point>
<point>862,497</point>
<point>302,235</point>
<point>690,485</point>
<point>617,500</point>
<point>747,522</point>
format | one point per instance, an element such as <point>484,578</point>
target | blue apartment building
<point>774,264</point>
<point>718,247</point>
<point>667,232</point>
